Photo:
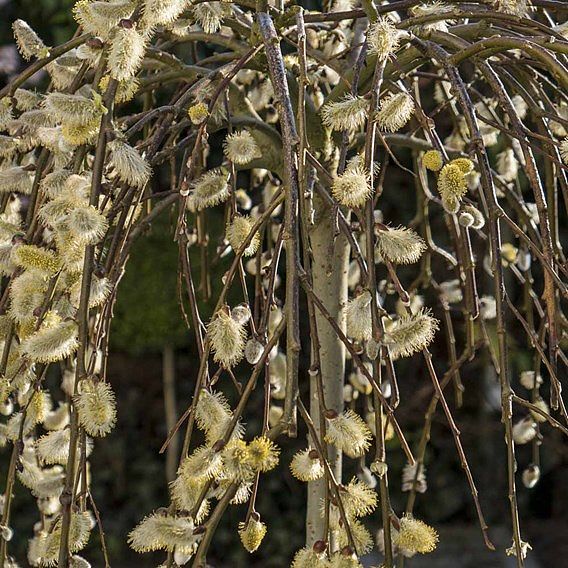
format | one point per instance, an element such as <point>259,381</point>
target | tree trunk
<point>329,269</point>
<point>168,375</point>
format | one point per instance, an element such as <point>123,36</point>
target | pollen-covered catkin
<point>400,245</point>
<point>415,536</point>
<point>358,317</point>
<point>262,454</point>
<point>32,257</point>
<point>209,190</point>
<point>383,38</point>
<point>348,432</point>
<point>239,230</point>
<point>96,407</point>
<point>306,465</point>
<point>241,148</point>
<point>452,186</point>
<point>352,188</point>
<point>396,109</point>
<point>252,532</point>
<point>350,113</point>
<point>433,160</point>
<point>227,338</point>
<point>411,333</point>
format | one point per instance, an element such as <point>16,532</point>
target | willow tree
<point>462,103</point>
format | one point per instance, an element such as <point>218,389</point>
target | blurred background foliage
<point>129,474</point>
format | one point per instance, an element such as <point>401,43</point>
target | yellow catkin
<point>432,160</point>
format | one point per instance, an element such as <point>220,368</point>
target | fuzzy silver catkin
<point>350,113</point>
<point>210,189</point>
<point>163,532</point>
<point>227,338</point>
<point>161,12</point>
<point>128,165</point>
<point>395,111</point>
<point>306,465</point>
<point>352,188</point>
<point>128,47</point>
<point>209,15</point>
<point>53,343</point>
<point>96,407</point>
<point>383,38</point>
<point>239,230</point>
<point>241,148</point>
<point>17,180</point>
<point>358,317</point>
<point>349,433</point>
<point>29,43</point>
<point>101,18</point>
<point>400,245</point>
<point>411,333</point>
<point>75,109</point>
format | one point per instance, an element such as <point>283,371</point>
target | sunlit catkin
<point>311,557</point>
<point>162,12</point>
<point>362,538</point>
<point>352,188</point>
<point>203,463</point>
<point>241,148</point>
<point>101,18</point>
<point>129,166</point>
<point>452,186</point>
<point>96,407</point>
<point>306,465</point>
<point>32,257</point>
<point>75,109</point>
<point>395,111</point>
<point>358,317</point>
<point>350,113</point>
<point>79,533</point>
<point>239,231</point>
<point>29,43</point>
<point>252,532</point>
<point>52,343</point>
<point>87,224</point>
<point>415,536</point>
<point>411,333</point>
<point>358,498</point>
<point>227,338</point>
<point>210,189</point>
<point>383,38</point>
<point>163,532</point>
<point>400,245</point>
<point>53,448</point>
<point>348,432</point>
<point>128,47</point>
<point>211,409</point>
<point>262,454</point>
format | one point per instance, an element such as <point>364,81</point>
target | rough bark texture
<point>330,267</point>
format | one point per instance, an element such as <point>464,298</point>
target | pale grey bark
<point>329,271</point>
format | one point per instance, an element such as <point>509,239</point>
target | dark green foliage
<point>147,310</point>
